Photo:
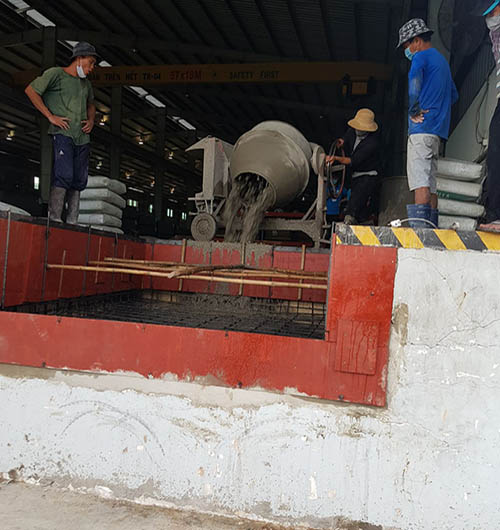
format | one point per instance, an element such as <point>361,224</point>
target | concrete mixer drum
<point>277,152</point>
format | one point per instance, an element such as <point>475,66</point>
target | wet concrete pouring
<point>251,196</point>
<point>228,313</point>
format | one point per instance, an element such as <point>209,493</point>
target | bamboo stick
<point>243,254</point>
<point>183,271</point>
<point>193,277</point>
<point>183,259</point>
<point>223,271</point>
<point>302,265</point>
<point>318,274</point>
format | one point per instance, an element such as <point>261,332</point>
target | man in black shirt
<point>362,149</point>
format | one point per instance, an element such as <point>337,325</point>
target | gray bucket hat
<point>84,49</point>
<point>413,28</point>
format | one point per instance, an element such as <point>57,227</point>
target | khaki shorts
<point>422,158</point>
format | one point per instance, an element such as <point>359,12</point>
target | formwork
<point>329,343</point>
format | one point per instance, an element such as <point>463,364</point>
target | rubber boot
<point>56,203</point>
<point>416,212</point>
<point>73,198</point>
<point>434,218</point>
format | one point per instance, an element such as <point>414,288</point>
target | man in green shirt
<point>65,97</point>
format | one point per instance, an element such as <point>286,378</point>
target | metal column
<point>48,60</point>
<point>159,170</point>
<point>116,129</point>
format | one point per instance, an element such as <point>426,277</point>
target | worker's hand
<point>340,159</point>
<point>88,125</point>
<point>419,118</point>
<point>340,142</point>
<point>60,122</point>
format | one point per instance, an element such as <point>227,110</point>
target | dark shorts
<point>71,164</point>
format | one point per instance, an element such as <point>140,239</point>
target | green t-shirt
<point>65,96</point>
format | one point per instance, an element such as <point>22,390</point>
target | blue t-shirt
<point>431,88</point>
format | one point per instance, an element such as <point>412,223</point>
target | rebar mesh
<point>253,315</point>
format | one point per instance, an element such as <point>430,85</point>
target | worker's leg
<point>493,162</point>
<point>434,144</point>
<point>354,201</point>
<point>364,187</point>
<point>422,157</point>
<point>423,195</point>
<point>62,175</point>
<point>80,178</point>
<point>422,154</point>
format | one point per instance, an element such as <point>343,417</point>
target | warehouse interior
<point>154,123</point>
<point>161,178</point>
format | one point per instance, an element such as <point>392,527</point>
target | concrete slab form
<point>348,364</point>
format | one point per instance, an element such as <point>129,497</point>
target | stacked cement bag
<point>459,186</point>
<point>101,205</point>
<point>6,207</point>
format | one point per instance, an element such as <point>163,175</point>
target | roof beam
<point>267,73</point>
<point>277,102</point>
<point>136,43</point>
<point>21,37</point>
<point>356,13</point>
<point>327,29</point>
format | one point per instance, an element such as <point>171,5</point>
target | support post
<point>48,60</point>
<point>160,152</point>
<point>116,129</point>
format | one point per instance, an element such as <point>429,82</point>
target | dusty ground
<point>26,507</point>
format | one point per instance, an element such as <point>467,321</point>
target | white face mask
<point>80,72</point>
<point>493,23</point>
<point>361,134</point>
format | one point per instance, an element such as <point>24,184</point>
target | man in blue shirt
<point>432,92</point>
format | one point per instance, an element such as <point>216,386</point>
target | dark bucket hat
<point>84,49</point>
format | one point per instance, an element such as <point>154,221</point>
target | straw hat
<point>364,121</point>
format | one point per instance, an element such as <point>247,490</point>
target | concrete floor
<point>27,507</point>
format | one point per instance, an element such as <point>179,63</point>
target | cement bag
<point>96,219</point>
<point>460,209</point>
<point>110,184</point>
<point>459,170</point>
<point>87,206</point>
<point>458,223</point>
<point>103,194</point>
<point>458,190</point>
<point>109,229</point>
<point>5,207</point>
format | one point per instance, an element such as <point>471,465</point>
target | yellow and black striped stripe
<point>383,236</point>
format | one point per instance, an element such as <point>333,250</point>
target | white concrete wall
<point>463,143</point>
<point>428,461</point>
